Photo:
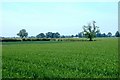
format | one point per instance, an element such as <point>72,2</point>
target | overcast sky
<point>67,18</point>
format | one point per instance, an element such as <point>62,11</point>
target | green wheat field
<point>60,59</point>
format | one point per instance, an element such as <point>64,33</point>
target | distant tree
<point>67,36</point>
<point>72,36</point>
<point>22,33</point>
<point>49,35</point>
<point>90,31</point>
<point>117,34</point>
<point>99,35</point>
<point>56,35</point>
<point>52,35</point>
<point>32,37</point>
<point>41,35</point>
<point>62,36</point>
<point>76,35</point>
<point>109,34</point>
<point>80,34</point>
<point>104,35</point>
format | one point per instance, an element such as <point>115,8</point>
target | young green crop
<point>80,59</point>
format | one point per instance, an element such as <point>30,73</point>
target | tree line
<point>57,35</point>
<point>89,31</point>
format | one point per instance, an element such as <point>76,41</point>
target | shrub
<point>10,39</point>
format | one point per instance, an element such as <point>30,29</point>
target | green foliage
<point>52,35</point>
<point>22,33</point>
<point>41,39</point>
<point>53,59</point>
<point>117,34</point>
<point>90,31</point>
<point>41,35</point>
<point>109,34</point>
<point>25,39</point>
<point>11,39</point>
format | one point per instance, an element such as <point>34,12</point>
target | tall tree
<point>117,34</point>
<point>90,31</point>
<point>22,33</point>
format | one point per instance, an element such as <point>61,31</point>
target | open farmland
<point>55,59</point>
